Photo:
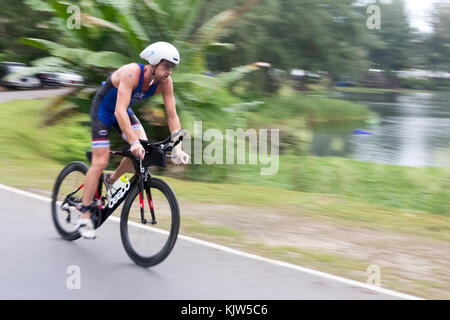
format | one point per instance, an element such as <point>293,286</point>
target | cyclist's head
<point>163,56</point>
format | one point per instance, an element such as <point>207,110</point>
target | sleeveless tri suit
<point>104,105</point>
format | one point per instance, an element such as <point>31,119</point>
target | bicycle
<point>161,199</point>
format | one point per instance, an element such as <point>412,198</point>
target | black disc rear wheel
<point>69,182</point>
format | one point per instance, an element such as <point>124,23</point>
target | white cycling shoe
<point>86,228</point>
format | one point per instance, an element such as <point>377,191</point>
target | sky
<point>419,12</point>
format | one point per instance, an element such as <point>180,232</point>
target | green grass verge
<point>322,206</point>
<point>387,196</point>
<point>416,189</point>
<point>194,227</point>
<point>422,189</point>
<point>23,138</point>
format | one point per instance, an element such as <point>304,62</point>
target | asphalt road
<point>35,262</point>
<point>9,95</point>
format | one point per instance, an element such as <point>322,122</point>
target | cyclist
<point>111,107</point>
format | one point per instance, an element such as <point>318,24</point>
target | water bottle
<point>120,183</point>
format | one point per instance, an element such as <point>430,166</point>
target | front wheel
<point>145,243</point>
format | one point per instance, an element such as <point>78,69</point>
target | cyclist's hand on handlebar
<point>138,150</point>
<point>179,156</point>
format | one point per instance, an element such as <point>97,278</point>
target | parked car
<point>49,79</point>
<point>69,79</point>
<point>61,79</point>
<point>8,68</point>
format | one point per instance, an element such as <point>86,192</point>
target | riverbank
<point>319,89</point>
<point>380,90</point>
<point>311,109</point>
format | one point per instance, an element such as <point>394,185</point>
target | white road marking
<point>244,254</point>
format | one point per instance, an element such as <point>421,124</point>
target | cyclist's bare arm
<point>172,117</point>
<point>169,102</point>
<point>128,78</point>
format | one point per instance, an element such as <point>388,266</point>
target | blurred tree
<point>17,20</point>
<point>392,50</point>
<point>328,35</point>
<point>301,34</point>
<point>114,32</point>
<point>439,43</point>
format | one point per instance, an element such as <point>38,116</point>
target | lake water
<point>410,129</point>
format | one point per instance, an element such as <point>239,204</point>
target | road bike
<point>148,233</point>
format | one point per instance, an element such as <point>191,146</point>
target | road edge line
<point>248,255</point>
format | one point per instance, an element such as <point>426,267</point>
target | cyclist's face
<point>164,70</point>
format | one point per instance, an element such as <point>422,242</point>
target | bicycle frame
<point>141,176</point>
<point>102,211</point>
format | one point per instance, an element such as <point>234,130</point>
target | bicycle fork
<point>150,204</point>
<point>149,197</point>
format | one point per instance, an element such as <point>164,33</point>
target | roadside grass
<point>314,259</point>
<point>376,195</point>
<point>416,189</point>
<point>23,138</point>
<point>195,227</point>
<point>422,189</point>
<point>322,206</point>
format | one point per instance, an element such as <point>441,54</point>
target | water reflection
<point>414,130</point>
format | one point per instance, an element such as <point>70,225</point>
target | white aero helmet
<point>157,51</point>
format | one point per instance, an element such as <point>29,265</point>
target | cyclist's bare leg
<point>126,165</point>
<point>100,158</point>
